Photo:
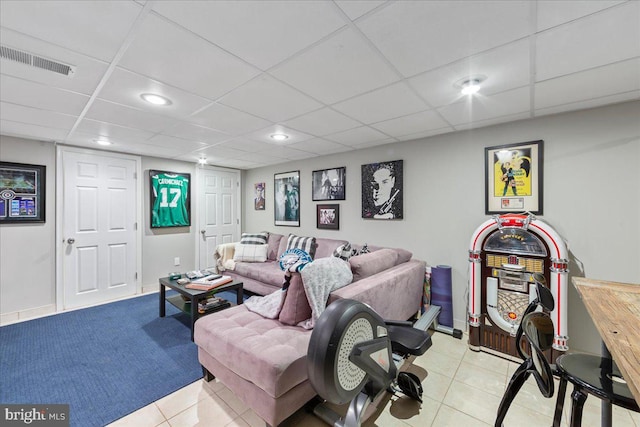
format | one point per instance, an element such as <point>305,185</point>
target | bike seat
<point>408,340</point>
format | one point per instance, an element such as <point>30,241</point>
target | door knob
<point>203,232</point>
<point>71,241</point>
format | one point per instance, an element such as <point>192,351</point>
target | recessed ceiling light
<point>279,137</point>
<point>470,87</point>
<point>154,99</point>
<point>102,142</point>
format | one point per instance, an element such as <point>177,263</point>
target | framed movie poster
<point>329,184</point>
<point>382,190</point>
<point>22,193</point>
<point>513,178</point>
<point>287,198</point>
<point>170,199</point>
<point>258,198</point>
<point>328,217</point>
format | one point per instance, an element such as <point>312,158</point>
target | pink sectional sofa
<point>263,361</point>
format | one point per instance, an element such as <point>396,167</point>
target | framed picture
<point>513,178</point>
<point>258,199</point>
<point>287,198</point>
<point>22,193</point>
<point>170,199</point>
<point>329,184</point>
<point>382,190</point>
<point>328,217</point>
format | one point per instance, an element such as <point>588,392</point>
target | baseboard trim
<point>28,314</point>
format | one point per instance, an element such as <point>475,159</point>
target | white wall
<point>591,197</point>
<point>27,251</point>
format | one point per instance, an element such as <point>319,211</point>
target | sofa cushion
<point>295,307</point>
<point>263,351</point>
<point>254,238</point>
<point>266,272</point>
<point>403,255</point>
<point>372,263</point>
<point>325,247</point>
<point>274,243</point>
<point>250,253</point>
<point>307,244</point>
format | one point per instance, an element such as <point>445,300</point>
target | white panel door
<point>99,221</point>
<point>218,212</point>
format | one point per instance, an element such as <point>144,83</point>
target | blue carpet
<point>105,361</point>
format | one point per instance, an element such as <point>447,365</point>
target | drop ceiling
<point>335,76</point>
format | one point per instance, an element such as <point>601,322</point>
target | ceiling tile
<point>113,132</point>
<point>356,136</point>
<point>264,135</point>
<point>338,68</point>
<point>95,28</point>
<point>196,133</point>
<point>322,122</point>
<point>320,146</point>
<point>36,95</point>
<point>88,72</point>
<point>557,12</point>
<point>370,144</point>
<point>609,36</point>
<point>170,54</point>
<point>417,36</point>
<point>382,104</point>
<point>35,116</point>
<point>236,164</point>
<point>106,111</point>
<point>243,144</point>
<point>125,87</point>
<point>355,9</point>
<point>228,120</point>
<point>217,151</point>
<point>268,98</point>
<point>589,103</point>
<point>286,153</point>
<point>505,67</point>
<point>88,139</point>
<point>600,82</point>
<point>30,131</point>
<point>153,151</point>
<point>487,107</point>
<point>425,134</point>
<point>261,33</point>
<point>166,141</point>
<point>494,121</point>
<point>412,124</point>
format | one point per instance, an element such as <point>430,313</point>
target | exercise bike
<point>354,356</point>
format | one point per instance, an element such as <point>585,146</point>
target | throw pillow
<point>250,253</point>
<point>294,260</point>
<point>372,263</point>
<point>307,244</point>
<point>254,238</point>
<point>343,252</point>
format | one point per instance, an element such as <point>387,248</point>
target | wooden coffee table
<point>194,296</point>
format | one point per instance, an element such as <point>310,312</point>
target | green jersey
<point>170,206</point>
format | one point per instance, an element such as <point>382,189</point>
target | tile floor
<point>461,388</point>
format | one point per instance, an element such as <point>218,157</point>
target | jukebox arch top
<point>504,254</point>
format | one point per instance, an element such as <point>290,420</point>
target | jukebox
<point>504,254</point>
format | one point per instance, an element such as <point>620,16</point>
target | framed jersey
<point>170,199</point>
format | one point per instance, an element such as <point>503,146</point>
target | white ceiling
<point>333,75</point>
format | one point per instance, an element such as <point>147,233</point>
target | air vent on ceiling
<point>36,61</point>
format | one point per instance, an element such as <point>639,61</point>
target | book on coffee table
<point>206,284</point>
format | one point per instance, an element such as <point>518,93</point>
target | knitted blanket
<point>223,256</point>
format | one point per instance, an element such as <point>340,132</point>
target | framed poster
<point>328,217</point>
<point>287,198</point>
<point>258,198</point>
<point>170,199</point>
<point>382,190</point>
<point>329,184</point>
<point>513,178</point>
<point>22,193</point>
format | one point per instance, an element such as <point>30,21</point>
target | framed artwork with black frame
<point>287,198</point>
<point>382,190</point>
<point>170,194</point>
<point>22,193</point>
<point>328,216</point>
<point>513,178</point>
<point>329,184</point>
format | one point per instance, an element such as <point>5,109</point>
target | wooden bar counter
<point>615,310</point>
